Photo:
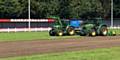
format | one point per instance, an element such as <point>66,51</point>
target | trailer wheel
<point>71,31</point>
<point>104,31</point>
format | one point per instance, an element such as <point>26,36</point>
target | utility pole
<point>29,24</point>
<point>112,13</point>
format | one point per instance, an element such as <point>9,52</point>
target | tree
<point>106,5</point>
<point>44,8</point>
<point>62,8</point>
<point>116,8</point>
<point>13,9</point>
<point>85,8</point>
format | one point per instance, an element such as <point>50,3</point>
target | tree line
<point>62,8</point>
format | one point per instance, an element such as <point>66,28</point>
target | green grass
<point>19,36</point>
<point>98,54</point>
<point>116,30</point>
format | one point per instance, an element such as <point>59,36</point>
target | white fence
<point>47,28</point>
<point>24,29</point>
<point>36,29</point>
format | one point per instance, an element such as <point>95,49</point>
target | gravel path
<point>21,48</point>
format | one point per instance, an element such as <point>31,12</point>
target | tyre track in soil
<point>23,48</point>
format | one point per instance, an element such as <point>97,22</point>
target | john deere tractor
<point>94,27</point>
<point>61,27</point>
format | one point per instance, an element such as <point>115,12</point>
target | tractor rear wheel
<point>103,30</point>
<point>71,31</point>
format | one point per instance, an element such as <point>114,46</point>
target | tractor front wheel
<point>93,33</point>
<point>60,33</point>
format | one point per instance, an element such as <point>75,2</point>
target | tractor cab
<point>95,21</point>
<point>59,23</point>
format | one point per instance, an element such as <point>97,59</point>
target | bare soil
<point>23,48</point>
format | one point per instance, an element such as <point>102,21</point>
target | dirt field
<point>21,48</point>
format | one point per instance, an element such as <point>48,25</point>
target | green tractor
<point>93,28</point>
<point>60,28</point>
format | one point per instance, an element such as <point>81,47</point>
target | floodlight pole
<point>29,24</point>
<point>112,13</point>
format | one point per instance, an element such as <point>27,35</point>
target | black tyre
<point>71,31</point>
<point>92,33</point>
<point>82,33</point>
<point>104,31</point>
<point>60,33</point>
<point>51,33</point>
